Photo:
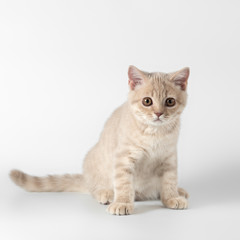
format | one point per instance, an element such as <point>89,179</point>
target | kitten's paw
<point>176,203</point>
<point>104,196</point>
<point>182,192</point>
<point>117,208</point>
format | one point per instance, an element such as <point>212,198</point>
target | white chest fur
<point>155,150</point>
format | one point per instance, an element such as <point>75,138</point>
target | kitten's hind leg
<point>103,196</point>
<point>183,193</point>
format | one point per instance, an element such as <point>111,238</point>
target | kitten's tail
<point>50,183</point>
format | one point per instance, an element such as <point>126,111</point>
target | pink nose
<point>158,114</point>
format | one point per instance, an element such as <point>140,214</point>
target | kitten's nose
<point>158,114</point>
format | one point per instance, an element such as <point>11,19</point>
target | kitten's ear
<point>180,78</point>
<point>136,77</point>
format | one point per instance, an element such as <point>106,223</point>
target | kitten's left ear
<point>180,78</point>
<point>135,76</point>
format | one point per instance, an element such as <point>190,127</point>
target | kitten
<point>136,155</point>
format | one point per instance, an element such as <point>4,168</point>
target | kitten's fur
<point>136,156</point>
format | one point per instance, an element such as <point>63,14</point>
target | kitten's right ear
<point>135,76</point>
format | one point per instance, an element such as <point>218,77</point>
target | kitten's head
<point>157,98</point>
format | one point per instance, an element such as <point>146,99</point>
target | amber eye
<point>170,102</point>
<point>147,101</point>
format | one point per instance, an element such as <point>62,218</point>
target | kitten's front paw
<point>176,203</point>
<point>117,208</point>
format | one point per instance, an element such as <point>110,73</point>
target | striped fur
<point>50,183</point>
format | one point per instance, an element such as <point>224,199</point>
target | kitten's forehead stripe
<point>159,89</point>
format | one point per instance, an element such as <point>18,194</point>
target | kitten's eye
<point>147,101</point>
<point>170,102</point>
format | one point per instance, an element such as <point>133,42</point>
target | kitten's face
<point>157,98</point>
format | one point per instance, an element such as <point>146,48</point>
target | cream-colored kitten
<point>136,155</point>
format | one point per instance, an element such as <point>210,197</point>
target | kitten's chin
<point>157,123</point>
<point>160,122</point>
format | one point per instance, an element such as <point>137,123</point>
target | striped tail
<point>50,183</point>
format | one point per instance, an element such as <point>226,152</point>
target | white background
<point>63,70</point>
